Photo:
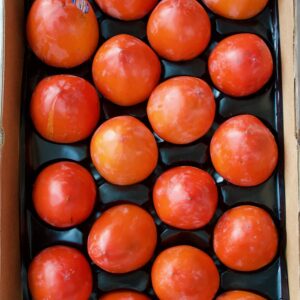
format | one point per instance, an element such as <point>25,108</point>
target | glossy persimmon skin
<point>239,295</point>
<point>179,29</point>
<point>240,65</point>
<point>126,70</point>
<point>178,103</point>
<point>124,295</point>
<point>65,108</point>
<point>184,272</point>
<point>124,150</point>
<point>236,9</point>
<point>64,194</point>
<point>60,33</point>
<point>185,197</point>
<point>60,273</point>
<point>245,238</point>
<point>127,10</point>
<point>123,239</point>
<point>244,151</point>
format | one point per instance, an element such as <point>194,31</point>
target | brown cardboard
<point>9,156</point>
<point>10,95</point>
<point>297,65</point>
<point>287,39</point>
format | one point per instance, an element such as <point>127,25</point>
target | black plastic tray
<point>36,153</point>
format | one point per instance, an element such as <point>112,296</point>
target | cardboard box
<point>11,65</point>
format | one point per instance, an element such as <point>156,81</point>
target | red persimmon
<point>123,239</point>
<point>127,10</point>
<point>239,295</point>
<point>184,272</point>
<point>124,295</point>
<point>126,70</point>
<point>244,151</point>
<point>64,194</point>
<point>179,29</point>
<point>185,197</point>
<point>124,150</point>
<point>236,9</point>
<point>60,273</point>
<point>65,108</point>
<point>240,65</point>
<point>245,238</point>
<point>181,109</point>
<point>62,33</point>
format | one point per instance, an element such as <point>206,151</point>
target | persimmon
<point>240,65</point>
<point>184,272</point>
<point>123,239</point>
<point>64,194</point>
<point>181,109</point>
<point>62,33</point>
<point>124,295</point>
<point>60,273</point>
<point>245,238</point>
<point>185,197</point>
<point>124,150</point>
<point>127,10</point>
<point>244,151</point>
<point>236,9</point>
<point>239,295</point>
<point>126,70</point>
<point>65,108</point>
<point>179,29</point>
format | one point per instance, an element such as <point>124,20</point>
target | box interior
<point>11,47</point>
